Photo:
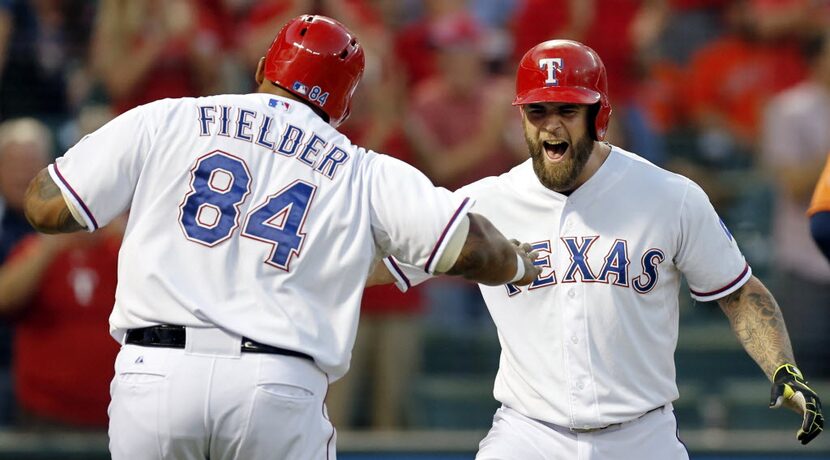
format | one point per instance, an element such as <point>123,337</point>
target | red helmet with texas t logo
<point>317,59</point>
<point>565,71</point>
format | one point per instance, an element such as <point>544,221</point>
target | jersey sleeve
<point>708,255</point>
<point>99,174</point>
<point>411,218</point>
<point>405,275</point>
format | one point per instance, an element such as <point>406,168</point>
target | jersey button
<point>580,386</point>
<point>571,293</point>
<point>574,339</point>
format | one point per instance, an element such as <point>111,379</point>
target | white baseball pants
<point>210,401</point>
<point>516,437</point>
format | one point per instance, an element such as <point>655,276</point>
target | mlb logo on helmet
<point>300,88</point>
<point>552,65</point>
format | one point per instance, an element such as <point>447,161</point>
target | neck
<point>270,88</point>
<point>599,153</point>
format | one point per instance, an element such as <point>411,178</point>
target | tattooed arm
<point>759,326</point>
<point>45,207</point>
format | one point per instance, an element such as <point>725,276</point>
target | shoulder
<point>649,172</point>
<point>646,182</point>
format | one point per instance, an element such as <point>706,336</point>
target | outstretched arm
<point>482,254</point>
<point>758,325</point>
<point>45,207</point>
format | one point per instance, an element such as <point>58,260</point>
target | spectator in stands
<point>794,145</point>
<point>819,212</point>
<point>459,132</point>
<point>535,21</point>
<point>60,289</point>
<point>730,80</point>
<point>148,50</point>
<point>415,45</point>
<point>42,45</point>
<point>260,19</point>
<point>25,148</point>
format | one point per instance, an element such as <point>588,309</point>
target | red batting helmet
<point>565,71</point>
<point>317,59</point>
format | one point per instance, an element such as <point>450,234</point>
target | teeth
<point>554,142</point>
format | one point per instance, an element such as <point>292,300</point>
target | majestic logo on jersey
<point>552,66</point>
<point>615,269</point>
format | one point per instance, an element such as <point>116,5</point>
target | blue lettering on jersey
<point>512,289</point>
<point>646,282</point>
<point>312,148</point>
<point>262,139</point>
<point>333,159</point>
<point>205,120</point>
<point>243,125</point>
<point>616,263</point>
<point>725,229</point>
<point>224,121</point>
<point>290,140</point>
<point>543,261</point>
<point>579,259</point>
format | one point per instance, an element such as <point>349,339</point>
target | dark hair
<point>814,46</point>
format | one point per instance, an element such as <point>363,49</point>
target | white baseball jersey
<point>250,213</point>
<point>591,341</point>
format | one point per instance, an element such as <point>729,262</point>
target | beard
<point>560,177</point>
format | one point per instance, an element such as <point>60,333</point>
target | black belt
<point>169,336</point>
<point>591,430</point>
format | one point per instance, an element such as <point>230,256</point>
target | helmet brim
<point>571,94</point>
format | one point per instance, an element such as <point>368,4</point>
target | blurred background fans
<point>735,94</point>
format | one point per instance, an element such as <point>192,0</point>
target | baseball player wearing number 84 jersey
<point>253,226</point>
<point>587,367</point>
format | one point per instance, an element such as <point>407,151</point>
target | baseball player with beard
<point>587,363</point>
<point>253,227</point>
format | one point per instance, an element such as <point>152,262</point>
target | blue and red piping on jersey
<point>452,223</point>
<point>77,197</point>
<point>725,288</point>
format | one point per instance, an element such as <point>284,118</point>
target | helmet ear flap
<point>601,114</point>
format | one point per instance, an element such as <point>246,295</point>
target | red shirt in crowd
<point>63,354</point>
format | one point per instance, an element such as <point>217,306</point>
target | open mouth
<point>555,150</point>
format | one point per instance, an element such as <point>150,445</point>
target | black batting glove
<point>789,388</point>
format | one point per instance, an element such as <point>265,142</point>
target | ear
<point>260,71</point>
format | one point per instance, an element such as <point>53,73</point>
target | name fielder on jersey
<point>615,268</point>
<point>250,126</point>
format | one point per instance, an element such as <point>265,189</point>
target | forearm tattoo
<point>45,195</point>
<point>759,325</point>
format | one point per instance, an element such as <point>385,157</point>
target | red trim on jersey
<point>444,234</point>
<point>725,288</point>
<point>77,197</point>
<point>400,272</point>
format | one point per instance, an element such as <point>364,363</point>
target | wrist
<point>520,269</point>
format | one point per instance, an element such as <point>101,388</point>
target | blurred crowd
<point>732,93</point>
